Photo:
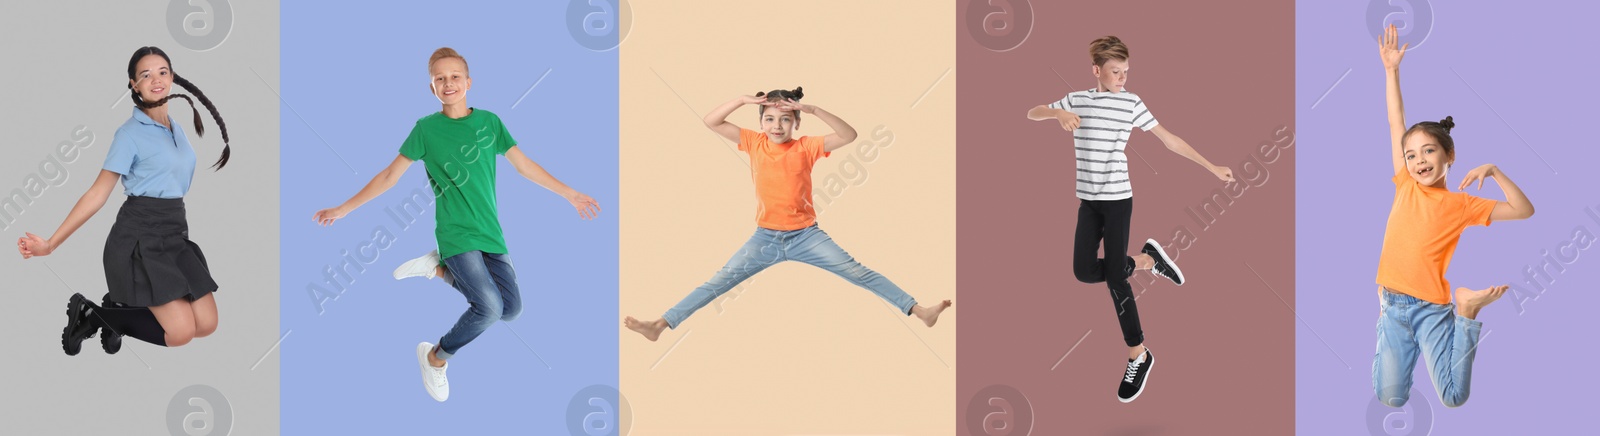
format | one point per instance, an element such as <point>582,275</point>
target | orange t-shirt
<point>1425,224</point>
<point>782,174</point>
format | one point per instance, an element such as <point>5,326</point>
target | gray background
<point>65,66</point>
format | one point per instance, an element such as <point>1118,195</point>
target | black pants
<point>1108,221</point>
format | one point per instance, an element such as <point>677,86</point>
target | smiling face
<point>778,125</point>
<point>449,81</point>
<point>152,78</point>
<point>1426,160</point>
<point>1113,75</point>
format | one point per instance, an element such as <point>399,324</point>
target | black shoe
<point>78,325</point>
<point>1133,379</point>
<point>110,341</point>
<point>1164,266</point>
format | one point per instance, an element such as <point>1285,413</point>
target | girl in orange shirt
<point>1425,223</point>
<point>786,221</point>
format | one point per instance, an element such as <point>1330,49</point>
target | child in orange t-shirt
<point>786,229</point>
<point>1425,223</point>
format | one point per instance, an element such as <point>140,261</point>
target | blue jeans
<point>490,285</point>
<point>1408,327</point>
<point>769,247</point>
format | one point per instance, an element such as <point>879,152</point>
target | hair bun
<point>761,93</point>
<point>1448,123</point>
<point>797,93</point>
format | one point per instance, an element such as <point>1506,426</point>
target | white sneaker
<point>420,267</point>
<point>433,378</point>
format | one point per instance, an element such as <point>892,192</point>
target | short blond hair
<point>447,52</point>
<point>1107,48</point>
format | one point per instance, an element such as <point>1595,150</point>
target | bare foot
<point>1469,302</point>
<point>651,330</point>
<point>930,315</point>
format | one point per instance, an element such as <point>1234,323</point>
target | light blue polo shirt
<point>153,161</point>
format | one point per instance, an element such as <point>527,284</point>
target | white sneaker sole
<point>1168,260</point>
<point>427,377</point>
<point>420,267</point>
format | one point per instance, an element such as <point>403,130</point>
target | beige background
<point>794,350</point>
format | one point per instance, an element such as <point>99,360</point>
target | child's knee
<point>510,312</point>
<point>489,308</point>
<point>178,336</point>
<point>1083,274</point>
<point>855,270</point>
<point>1453,400</point>
<point>1394,396</point>
<point>1396,401</point>
<point>205,328</point>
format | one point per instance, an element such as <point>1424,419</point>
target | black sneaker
<point>1164,266</point>
<point>110,341</point>
<point>78,325</point>
<point>1133,379</point>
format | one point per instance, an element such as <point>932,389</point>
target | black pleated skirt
<point>149,259</point>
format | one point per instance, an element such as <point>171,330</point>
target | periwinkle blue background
<point>1530,63</point>
<point>355,79</point>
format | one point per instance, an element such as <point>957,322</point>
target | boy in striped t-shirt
<point>1101,120</point>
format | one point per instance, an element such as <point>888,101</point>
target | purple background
<point>1528,63</point>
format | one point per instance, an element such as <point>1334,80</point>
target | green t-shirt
<point>460,155</point>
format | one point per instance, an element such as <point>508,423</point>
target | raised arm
<point>1069,121</point>
<point>379,184</point>
<point>1516,206</point>
<point>717,120</point>
<point>587,207</point>
<point>32,245</point>
<point>842,134</point>
<point>1180,147</point>
<point>1391,54</point>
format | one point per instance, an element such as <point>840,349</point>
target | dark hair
<point>780,95</point>
<point>1107,48</point>
<point>1440,131</point>
<point>199,127</point>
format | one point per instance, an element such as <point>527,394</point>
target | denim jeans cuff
<point>442,354</point>
<point>1468,323</point>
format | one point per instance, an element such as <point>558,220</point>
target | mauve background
<point>1221,78</point>
<point>1517,81</point>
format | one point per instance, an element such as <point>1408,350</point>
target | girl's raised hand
<point>791,105</point>
<point>33,245</point>
<point>587,207</point>
<point>1478,175</point>
<point>1387,48</point>
<point>327,216</point>
<point>751,99</point>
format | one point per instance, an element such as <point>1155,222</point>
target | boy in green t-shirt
<point>457,145</point>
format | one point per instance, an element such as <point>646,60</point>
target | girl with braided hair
<point>159,287</point>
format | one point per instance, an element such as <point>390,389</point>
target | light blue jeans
<point>768,247</point>
<point>1407,327</point>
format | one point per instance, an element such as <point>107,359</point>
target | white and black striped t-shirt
<point>1106,119</point>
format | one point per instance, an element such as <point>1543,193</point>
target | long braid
<point>199,128</point>
<point>221,126</point>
